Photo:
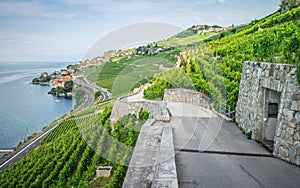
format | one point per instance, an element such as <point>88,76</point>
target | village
<point>62,81</point>
<point>149,49</point>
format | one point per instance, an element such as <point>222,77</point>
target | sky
<point>64,30</point>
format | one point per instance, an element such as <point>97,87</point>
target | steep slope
<point>215,67</point>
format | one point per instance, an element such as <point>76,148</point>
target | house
<point>64,72</point>
<point>67,78</point>
<point>58,82</point>
<point>44,74</point>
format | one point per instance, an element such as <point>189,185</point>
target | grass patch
<point>249,135</point>
<point>176,41</point>
<point>121,75</point>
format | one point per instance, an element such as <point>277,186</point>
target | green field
<point>179,41</point>
<point>121,75</point>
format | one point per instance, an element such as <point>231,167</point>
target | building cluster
<point>150,50</point>
<point>142,50</point>
<point>59,78</point>
<point>202,32</point>
<point>203,29</point>
<point>104,58</point>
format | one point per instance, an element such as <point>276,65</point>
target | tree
<point>68,86</point>
<point>143,115</point>
<point>59,89</point>
<point>222,35</point>
<point>97,94</point>
<point>287,5</point>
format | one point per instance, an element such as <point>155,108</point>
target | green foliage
<point>97,94</point>
<point>155,91</point>
<point>143,115</point>
<point>298,73</point>
<point>122,74</point>
<point>63,128</point>
<point>275,38</point>
<point>41,80</point>
<point>59,89</point>
<point>68,86</point>
<point>215,67</point>
<point>173,78</point>
<point>249,135</point>
<point>70,154</point>
<point>79,96</point>
<point>287,5</point>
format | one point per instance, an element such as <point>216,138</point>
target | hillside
<point>209,62</point>
<point>215,67</point>
<point>71,153</point>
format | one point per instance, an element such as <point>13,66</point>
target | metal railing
<point>225,109</point>
<point>158,111</point>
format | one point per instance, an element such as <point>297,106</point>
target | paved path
<point>139,95</point>
<point>106,95</point>
<point>211,152</point>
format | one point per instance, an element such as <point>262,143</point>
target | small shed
<point>103,171</point>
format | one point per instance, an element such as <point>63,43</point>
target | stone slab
<point>166,175</point>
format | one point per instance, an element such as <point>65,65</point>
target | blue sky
<point>64,30</point>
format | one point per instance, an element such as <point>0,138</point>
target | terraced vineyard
<point>215,67</point>
<point>70,154</point>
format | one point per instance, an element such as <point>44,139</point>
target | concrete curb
<point>166,173</point>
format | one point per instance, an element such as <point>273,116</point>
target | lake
<point>27,108</point>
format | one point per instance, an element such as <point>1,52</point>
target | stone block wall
<point>187,96</point>
<point>157,108</point>
<point>123,107</point>
<point>257,80</point>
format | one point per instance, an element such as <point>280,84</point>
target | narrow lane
<point>211,152</point>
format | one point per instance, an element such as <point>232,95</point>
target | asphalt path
<point>36,142</point>
<point>211,152</point>
<point>105,94</point>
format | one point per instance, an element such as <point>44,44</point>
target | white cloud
<point>21,8</point>
<point>32,8</point>
<point>60,15</point>
<point>221,19</point>
<point>198,19</point>
<point>209,1</point>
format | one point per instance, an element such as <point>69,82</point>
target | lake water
<point>26,108</point>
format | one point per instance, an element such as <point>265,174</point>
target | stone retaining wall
<point>187,96</point>
<point>158,108</point>
<point>165,173</point>
<point>123,107</point>
<point>141,169</point>
<point>260,85</point>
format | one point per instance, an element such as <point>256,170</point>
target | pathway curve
<point>211,152</point>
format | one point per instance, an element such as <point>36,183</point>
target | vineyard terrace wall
<point>269,107</point>
<point>188,96</point>
<point>157,109</point>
